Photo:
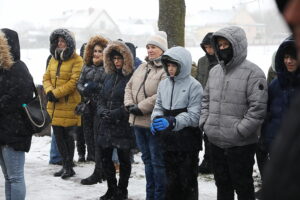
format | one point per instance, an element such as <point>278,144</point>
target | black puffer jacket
<point>16,89</point>
<point>115,131</point>
<point>91,72</point>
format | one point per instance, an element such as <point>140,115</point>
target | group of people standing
<point>159,106</point>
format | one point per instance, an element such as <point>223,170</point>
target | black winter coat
<point>16,89</point>
<point>115,131</point>
<point>91,74</point>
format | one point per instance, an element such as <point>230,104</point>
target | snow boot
<point>110,194</point>
<point>59,173</point>
<point>91,180</point>
<point>69,172</point>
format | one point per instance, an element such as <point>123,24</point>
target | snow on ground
<point>41,185</point>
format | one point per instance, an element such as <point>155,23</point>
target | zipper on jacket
<point>173,85</point>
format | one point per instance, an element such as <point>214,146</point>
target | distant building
<point>86,23</point>
<point>213,20</point>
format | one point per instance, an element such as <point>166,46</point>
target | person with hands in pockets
<point>175,119</point>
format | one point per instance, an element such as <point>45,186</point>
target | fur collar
<point>124,51</point>
<point>6,59</point>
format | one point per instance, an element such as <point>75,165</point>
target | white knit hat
<point>159,40</point>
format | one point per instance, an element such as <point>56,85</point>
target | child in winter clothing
<point>174,120</point>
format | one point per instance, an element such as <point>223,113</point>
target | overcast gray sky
<point>39,11</point>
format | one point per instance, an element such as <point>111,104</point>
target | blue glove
<point>161,124</point>
<point>152,129</point>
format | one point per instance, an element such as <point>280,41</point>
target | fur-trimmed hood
<point>124,51</point>
<point>89,48</point>
<point>9,48</point>
<point>68,37</point>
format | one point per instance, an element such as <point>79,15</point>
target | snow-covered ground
<point>39,174</point>
<point>42,185</point>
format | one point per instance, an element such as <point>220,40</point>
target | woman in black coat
<point>15,135</point>
<point>113,129</point>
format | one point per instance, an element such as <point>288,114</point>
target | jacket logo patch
<point>261,87</point>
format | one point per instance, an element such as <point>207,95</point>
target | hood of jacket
<point>68,37</point>
<point>120,47</point>
<point>9,48</point>
<point>238,40</point>
<point>89,48</point>
<point>206,40</point>
<point>283,75</point>
<point>182,57</point>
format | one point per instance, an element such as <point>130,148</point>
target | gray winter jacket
<point>235,98</point>
<point>183,91</point>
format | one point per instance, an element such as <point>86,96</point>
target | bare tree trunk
<point>172,20</point>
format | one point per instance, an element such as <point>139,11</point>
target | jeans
<point>12,164</point>
<point>152,157</point>
<point>55,156</point>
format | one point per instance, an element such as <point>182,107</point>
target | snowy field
<point>41,185</point>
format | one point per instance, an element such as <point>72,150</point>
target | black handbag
<point>36,114</point>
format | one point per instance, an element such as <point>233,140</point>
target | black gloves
<point>51,97</point>
<point>134,109</point>
<point>104,114</point>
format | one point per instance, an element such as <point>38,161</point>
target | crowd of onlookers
<point>165,107</point>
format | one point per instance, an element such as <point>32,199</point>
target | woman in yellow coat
<point>59,83</point>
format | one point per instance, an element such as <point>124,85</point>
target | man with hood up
<point>175,119</point>
<point>59,83</point>
<point>233,108</point>
<point>15,135</point>
<point>205,64</point>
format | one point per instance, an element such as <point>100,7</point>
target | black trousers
<point>206,148</point>
<point>233,168</point>
<point>109,168</point>
<point>181,173</point>
<point>80,142</point>
<point>88,121</point>
<point>65,142</point>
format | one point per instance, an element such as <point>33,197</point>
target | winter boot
<point>122,194</point>
<point>91,180</point>
<point>59,173</point>
<point>109,195</point>
<point>69,172</point>
<point>205,167</point>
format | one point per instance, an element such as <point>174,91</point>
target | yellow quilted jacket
<point>64,89</point>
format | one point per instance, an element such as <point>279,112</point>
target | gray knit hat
<point>159,39</point>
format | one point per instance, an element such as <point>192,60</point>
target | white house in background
<point>87,22</point>
<point>212,20</point>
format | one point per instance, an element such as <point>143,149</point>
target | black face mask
<point>226,54</point>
